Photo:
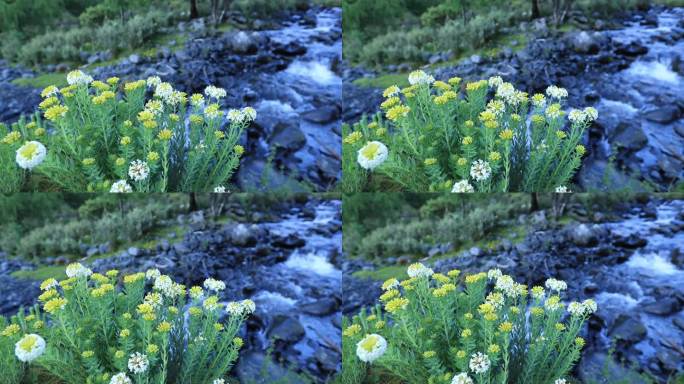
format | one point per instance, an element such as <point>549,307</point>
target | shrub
<point>442,329</point>
<point>96,133</point>
<point>98,329</point>
<point>440,140</point>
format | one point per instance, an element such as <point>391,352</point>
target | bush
<point>442,329</point>
<point>438,140</point>
<point>103,132</point>
<point>95,327</point>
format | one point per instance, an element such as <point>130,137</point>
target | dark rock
<point>632,49</point>
<point>595,365</point>
<point>585,43</point>
<point>663,115</point>
<point>257,368</point>
<point>584,236</point>
<point>663,306</point>
<point>287,329</point>
<point>321,307</point>
<point>628,328</point>
<point>322,115</point>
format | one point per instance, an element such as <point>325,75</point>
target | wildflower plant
<point>139,136</point>
<point>483,136</point>
<point>482,328</point>
<point>110,329</point>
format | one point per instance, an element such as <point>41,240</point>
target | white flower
<point>219,381</point>
<point>248,306</point>
<point>249,113</point>
<point>138,363</point>
<point>576,309</point>
<point>138,170</point>
<point>31,154</point>
<point>176,98</point>
<point>163,91</point>
<point>391,91</point>
<point>78,78</point>
<point>121,186</point>
<point>494,274</point>
<point>153,81</point>
<point>120,378</point>
<point>462,186</point>
<point>560,381</point>
<point>154,299</point>
<point>234,308</point>
<point>419,270</point>
<point>556,92</point>
<point>576,116</point>
<point>495,81</point>
<point>390,284</point>
<point>220,189</point>
<point>556,285</point>
<point>506,284</point>
<point>235,115</point>
<point>590,113</point>
<point>420,77</point>
<point>164,284</point>
<point>462,378</point>
<point>506,91</point>
<point>590,306</point>
<point>480,170</point>
<point>371,347</point>
<point>214,285</point>
<point>77,270</point>
<point>371,155</point>
<point>152,274</point>
<point>215,92</point>
<point>29,347</point>
<point>562,189</point>
<point>479,363</point>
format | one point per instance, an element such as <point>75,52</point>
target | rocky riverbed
<point>289,265</point>
<point>288,71</point>
<point>631,69</point>
<point>631,261</point>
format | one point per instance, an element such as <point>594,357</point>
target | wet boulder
<point>585,43</point>
<point>584,235</point>
<point>628,328</point>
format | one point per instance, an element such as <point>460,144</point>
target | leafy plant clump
<point>436,138</point>
<point>484,328</point>
<point>107,136</point>
<point>103,329</point>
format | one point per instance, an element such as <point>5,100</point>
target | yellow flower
<point>389,103</point>
<point>380,324</point>
<point>468,316</point>
<point>352,330</point>
<point>466,333</point>
<point>239,150</point>
<point>505,327</point>
<point>442,85</point>
<point>494,156</point>
<point>396,112</point>
<point>462,161</point>
<point>129,279</point>
<point>124,333</point>
<point>100,85</point>
<point>55,112</point>
<point>461,354</point>
<point>218,327</point>
<point>49,91</point>
<point>538,119</point>
<point>238,342</point>
<point>152,349</point>
<point>125,141</point>
<point>506,134</point>
<point>49,102</point>
<point>353,137</point>
<point>145,115</point>
<point>150,124</point>
<point>561,135</point>
<point>164,327</point>
<point>429,354</point>
<point>560,327</point>
<point>470,87</point>
<point>430,161</point>
<point>441,278</point>
<point>580,150</point>
<point>196,119</point>
<point>396,305</point>
<point>579,342</point>
<point>441,100</point>
<point>113,81</point>
<point>39,131</point>
<point>391,91</point>
<point>119,354</point>
<point>127,316</point>
<point>120,161</point>
<point>128,123</point>
<point>453,273</point>
<point>389,295</point>
<point>48,284</point>
<point>195,311</point>
<point>165,135</point>
<point>455,81</point>
<point>219,135</point>
<point>467,140</point>
<point>491,124</point>
<point>537,311</point>
<point>88,161</point>
<point>381,132</point>
<point>149,317</point>
<point>174,117</point>
<point>11,330</point>
<point>54,305</point>
<point>87,354</point>
<point>38,324</point>
<point>153,156</point>
<point>471,279</point>
<point>128,87</point>
<point>493,349</point>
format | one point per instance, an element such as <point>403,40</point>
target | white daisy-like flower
<point>560,381</point>
<point>220,189</point>
<point>164,284</point>
<point>77,270</point>
<point>371,348</point>
<point>120,378</point>
<point>420,77</point>
<point>462,378</point>
<point>138,170</point>
<point>234,308</point>
<point>371,155</point>
<point>556,285</point>
<point>249,113</point>
<point>576,309</point>
<point>576,116</point>
<point>163,90</point>
<point>462,186</point>
<point>29,347</point>
<point>505,91</point>
<point>215,92</point>
<point>78,78</point>
<point>479,363</point>
<point>590,306</point>
<point>138,363</point>
<point>121,186</point>
<point>495,81</point>
<point>153,81</point>
<point>219,381</point>
<point>419,270</point>
<point>31,154</point>
<point>494,274</point>
<point>248,306</point>
<point>214,285</point>
<point>506,284</point>
<point>152,274</point>
<point>235,115</point>
<point>556,92</point>
<point>562,189</point>
<point>591,113</point>
<point>480,170</point>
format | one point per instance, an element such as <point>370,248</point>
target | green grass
<point>42,80</point>
<point>148,242</point>
<point>383,273</point>
<point>383,81</point>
